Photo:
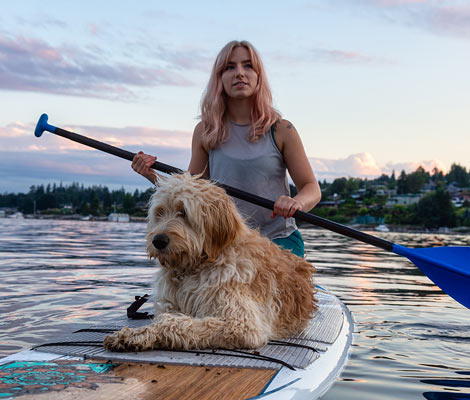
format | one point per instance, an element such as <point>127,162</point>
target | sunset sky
<point>371,85</point>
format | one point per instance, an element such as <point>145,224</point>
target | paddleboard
<point>76,366</point>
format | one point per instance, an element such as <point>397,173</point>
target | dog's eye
<point>158,212</point>
<point>183,213</point>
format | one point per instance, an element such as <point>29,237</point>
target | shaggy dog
<point>219,283</point>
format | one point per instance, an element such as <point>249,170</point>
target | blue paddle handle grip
<point>42,126</point>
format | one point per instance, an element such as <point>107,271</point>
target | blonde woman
<point>243,142</point>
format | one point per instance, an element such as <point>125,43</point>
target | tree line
<point>350,197</point>
<point>77,199</point>
<point>434,209</point>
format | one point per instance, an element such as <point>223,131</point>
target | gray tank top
<point>256,168</point>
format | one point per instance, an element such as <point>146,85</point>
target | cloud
<point>29,64</point>
<point>20,170</point>
<point>393,3</point>
<point>451,17</point>
<point>454,20</point>
<point>42,21</point>
<point>408,167</point>
<point>333,56</point>
<point>26,160</point>
<point>18,136</point>
<point>188,58</point>
<point>342,57</point>
<point>363,165</point>
<point>13,130</point>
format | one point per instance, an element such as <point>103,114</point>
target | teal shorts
<point>294,243</point>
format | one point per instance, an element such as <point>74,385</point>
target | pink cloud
<point>336,56</point>
<point>341,56</point>
<point>29,64</point>
<point>390,3</point>
<point>13,130</point>
<point>18,136</point>
<point>450,17</point>
<point>94,29</point>
<point>363,165</point>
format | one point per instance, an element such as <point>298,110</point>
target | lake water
<point>411,341</point>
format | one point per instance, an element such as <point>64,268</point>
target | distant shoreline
<point>75,217</point>
<point>302,225</point>
<point>399,229</point>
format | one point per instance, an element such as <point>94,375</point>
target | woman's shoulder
<point>198,136</point>
<point>198,129</point>
<point>284,125</point>
<point>283,130</point>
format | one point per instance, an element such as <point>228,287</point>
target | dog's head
<point>190,221</point>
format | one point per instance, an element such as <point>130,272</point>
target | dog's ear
<point>223,224</point>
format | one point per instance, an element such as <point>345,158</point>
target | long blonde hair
<point>213,105</point>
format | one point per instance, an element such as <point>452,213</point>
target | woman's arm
<point>292,149</point>
<point>199,163</point>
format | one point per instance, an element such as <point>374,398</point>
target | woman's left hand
<point>286,207</point>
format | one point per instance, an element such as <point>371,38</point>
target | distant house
<point>330,203</point>
<point>458,200</point>
<point>358,194</point>
<point>118,217</point>
<point>381,192</point>
<point>2,214</point>
<point>429,186</point>
<point>453,189</point>
<point>403,200</point>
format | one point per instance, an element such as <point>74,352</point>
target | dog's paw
<point>128,339</point>
<point>123,340</point>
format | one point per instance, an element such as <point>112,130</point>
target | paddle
<point>447,267</point>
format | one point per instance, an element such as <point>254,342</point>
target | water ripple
<point>411,340</point>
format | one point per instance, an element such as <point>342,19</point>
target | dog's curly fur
<point>219,283</point>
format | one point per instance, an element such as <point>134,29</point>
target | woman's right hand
<point>141,164</point>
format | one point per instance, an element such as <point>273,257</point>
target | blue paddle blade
<point>447,267</point>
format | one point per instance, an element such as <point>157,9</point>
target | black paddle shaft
<point>240,194</point>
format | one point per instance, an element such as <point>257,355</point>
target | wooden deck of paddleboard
<point>92,380</point>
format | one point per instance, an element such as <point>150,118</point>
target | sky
<point>371,86</point>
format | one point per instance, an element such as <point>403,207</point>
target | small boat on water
<point>118,217</point>
<point>16,215</point>
<point>382,228</point>
<point>77,366</point>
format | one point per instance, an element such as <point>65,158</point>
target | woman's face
<point>239,78</point>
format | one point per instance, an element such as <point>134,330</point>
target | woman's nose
<point>239,70</point>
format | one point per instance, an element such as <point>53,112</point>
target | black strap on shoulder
<point>273,127</point>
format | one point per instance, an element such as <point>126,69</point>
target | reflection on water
<point>411,340</point>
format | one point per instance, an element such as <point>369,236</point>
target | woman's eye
<point>229,67</point>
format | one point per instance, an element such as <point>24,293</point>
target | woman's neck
<point>239,111</point>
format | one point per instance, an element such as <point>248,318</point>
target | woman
<point>243,142</point>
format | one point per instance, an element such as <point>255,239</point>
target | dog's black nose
<point>160,241</point>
